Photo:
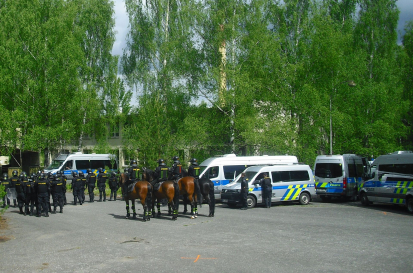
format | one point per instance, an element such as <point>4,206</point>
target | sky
<point>122,22</point>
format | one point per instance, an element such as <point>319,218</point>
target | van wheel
<point>410,204</point>
<point>251,201</point>
<point>304,199</point>
<point>364,200</point>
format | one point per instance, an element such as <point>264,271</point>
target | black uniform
<point>176,171</point>
<point>57,188</point>
<point>161,174</point>
<point>12,186</point>
<point>31,195</point>
<point>28,188</point>
<point>63,179</point>
<point>134,174</point>
<point>244,192</point>
<point>102,177</point>
<point>43,190</point>
<point>91,183</point>
<point>266,188</point>
<point>77,187</point>
<point>113,185</point>
<point>6,183</point>
<point>20,190</point>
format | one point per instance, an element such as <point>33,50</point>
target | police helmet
<point>89,170</point>
<point>161,162</point>
<point>133,162</point>
<point>175,159</point>
<point>74,174</point>
<point>50,174</point>
<point>113,174</point>
<point>100,170</point>
<point>21,175</point>
<point>15,173</point>
<point>126,170</point>
<point>5,176</point>
<point>24,173</point>
<point>42,175</point>
<point>81,174</point>
<point>194,161</point>
<point>39,172</point>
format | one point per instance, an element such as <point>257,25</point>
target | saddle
<point>158,185</point>
<point>131,186</point>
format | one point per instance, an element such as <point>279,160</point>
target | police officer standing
<point>28,187</point>
<point>91,183</point>
<point>6,184</point>
<point>21,197</point>
<point>113,185</point>
<point>244,191</point>
<point>176,169</point>
<point>160,173</point>
<point>63,179</point>
<point>266,187</point>
<point>32,195</point>
<point>42,186</point>
<point>102,177</point>
<point>13,181</point>
<point>76,187</point>
<point>57,193</point>
<point>50,178</point>
<point>82,187</point>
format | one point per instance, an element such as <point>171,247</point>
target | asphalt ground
<point>319,237</point>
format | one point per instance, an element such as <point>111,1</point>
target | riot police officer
<point>176,171</point>
<point>63,179</point>
<point>42,186</point>
<point>27,190</point>
<point>102,177</point>
<point>135,174</point>
<point>76,187</point>
<point>6,184</point>
<point>57,193</point>
<point>20,191</point>
<point>50,178</point>
<point>266,188</point>
<point>194,170</point>
<point>91,183</point>
<point>32,195</point>
<point>12,187</point>
<point>82,186</point>
<point>113,185</point>
<point>160,173</point>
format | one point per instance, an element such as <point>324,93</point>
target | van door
<point>280,181</point>
<point>329,178</point>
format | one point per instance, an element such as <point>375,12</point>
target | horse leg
<point>127,209</point>
<point>191,201</point>
<point>185,199</point>
<point>158,206</point>
<point>133,208</point>
<point>175,211</point>
<point>169,209</point>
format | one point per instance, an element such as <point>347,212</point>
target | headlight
<point>223,191</point>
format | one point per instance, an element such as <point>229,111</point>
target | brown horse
<point>141,190</point>
<point>189,189</point>
<point>169,190</point>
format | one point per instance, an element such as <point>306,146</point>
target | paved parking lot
<point>320,237</point>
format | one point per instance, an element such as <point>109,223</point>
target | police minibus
<point>67,163</point>
<point>289,183</point>
<point>222,170</point>
<point>392,181</point>
<point>339,175</point>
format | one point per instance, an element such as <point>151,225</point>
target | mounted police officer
<point>176,170</point>
<point>12,187</point>
<point>6,184</point>
<point>113,185</point>
<point>91,183</point>
<point>102,177</point>
<point>57,189</point>
<point>42,186</point>
<point>160,173</point>
<point>76,187</point>
<point>135,174</point>
<point>20,191</point>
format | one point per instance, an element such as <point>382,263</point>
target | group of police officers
<point>35,190</point>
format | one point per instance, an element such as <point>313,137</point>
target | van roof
<point>406,158</point>
<point>240,160</point>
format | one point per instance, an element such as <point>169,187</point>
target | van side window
<point>281,176</point>
<point>396,168</point>
<point>213,172</point>
<point>352,171</point>
<point>82,164</point>
<point>230,170</point>
<point>68,165</point>
<point>299,176</point>
<point>399,179</point>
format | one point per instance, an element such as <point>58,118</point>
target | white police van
<point>222,170</point>
<point>289,183</point>
<point>339,175</point>
<point>392,181</point>
<point>67,163</point>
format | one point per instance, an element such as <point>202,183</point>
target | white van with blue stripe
<point>222,170</point>
<point>289,183</point>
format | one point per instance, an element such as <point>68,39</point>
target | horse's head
<point>148,174</point>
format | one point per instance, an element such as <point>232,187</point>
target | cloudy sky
<point>122,22</point>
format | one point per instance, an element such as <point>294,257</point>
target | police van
<point>289,183</point>
<point>222,170</point>
<point>392,181</point>
<point>67,163</point>
<point>339,175</point>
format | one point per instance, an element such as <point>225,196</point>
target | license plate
<point>224,200</point>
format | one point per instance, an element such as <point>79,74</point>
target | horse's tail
<point>149,195</point>
<point>176,195</point>
<point>198,192</point>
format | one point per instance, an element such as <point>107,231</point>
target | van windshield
<point>248,176</point>
<point>328,170</point>
<point>55,164</point>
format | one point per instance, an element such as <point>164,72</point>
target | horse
<point>141,190</point>
<point>207,191</point>
<point>189,190</point>
<point>169,190</point>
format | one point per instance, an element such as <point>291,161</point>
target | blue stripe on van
<point>220,182</point>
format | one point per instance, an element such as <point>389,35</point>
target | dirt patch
<point>3,224</point>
